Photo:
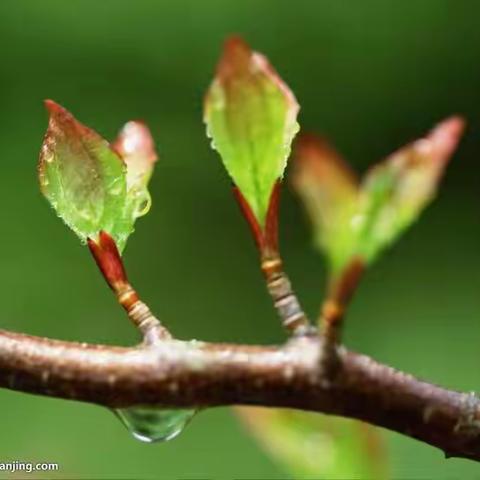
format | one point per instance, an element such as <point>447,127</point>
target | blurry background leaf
<point>329,191</point>
<point>351,220</point>
<point>317,446</point>
<point>86,181</point>
<point>251,118</point>
<point>394,192</point>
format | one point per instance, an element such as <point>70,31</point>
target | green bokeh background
<point>371,75</point>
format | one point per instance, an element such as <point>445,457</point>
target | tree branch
<point>187,374</point>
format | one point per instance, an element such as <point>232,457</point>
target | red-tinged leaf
<point>137,148</point>
<point>395,192</point>
<point>251,117</point>
<point>81,176</point>
<point>86,181</point>
<point>135,145</point>
<point>356,222</point>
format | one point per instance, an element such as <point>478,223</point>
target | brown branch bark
<point>181,374</point>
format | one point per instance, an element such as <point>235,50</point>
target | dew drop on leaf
<point>144,202</point>
<point>150,424</point>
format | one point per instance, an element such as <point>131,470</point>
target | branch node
<point>469,422</point>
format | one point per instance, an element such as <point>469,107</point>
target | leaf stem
<point>141,316</point>
<point>331,320</point>
<point>284,299</point>
<point>109,261</point>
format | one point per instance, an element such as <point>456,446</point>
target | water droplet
<point>144,203</point>
<point>213,145</point>
<point>150,424</point>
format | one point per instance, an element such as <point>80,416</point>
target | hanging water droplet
<point>150,424</point>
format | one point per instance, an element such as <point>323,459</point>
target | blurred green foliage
<point>309,445</point>
<point>353,218</point>
<point>369,75</point>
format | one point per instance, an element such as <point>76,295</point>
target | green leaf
<point>309,445</point>
<point>251,118</point>
<point>86,181</point>
<point>354,220</point>
<point>329,191</point>
<point>395,192</point>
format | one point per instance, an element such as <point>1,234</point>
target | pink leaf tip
<point>135,139</point>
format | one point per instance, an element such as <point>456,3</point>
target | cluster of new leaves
<point>95,186</point>
<point>100,189</point>
<point>355,219</point>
